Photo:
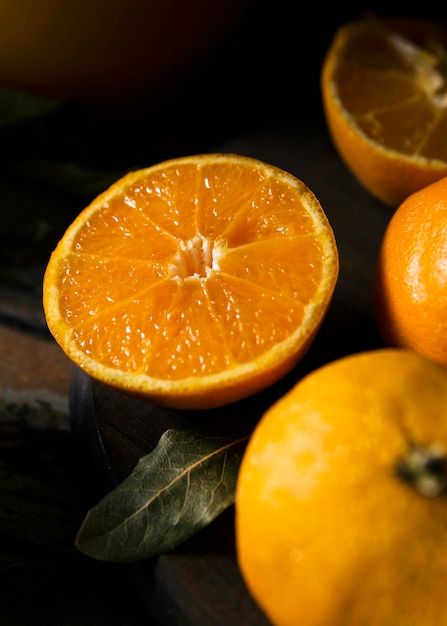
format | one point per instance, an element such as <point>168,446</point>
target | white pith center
<point>196,258</point>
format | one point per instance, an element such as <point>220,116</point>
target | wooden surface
<point>43,578</point>
<point>47,368</point>
<point>199,582</point>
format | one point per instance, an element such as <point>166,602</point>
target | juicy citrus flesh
<point>410,283</point>
<point>384,86</point>
<point>328,533</point>
<point>194,282</point>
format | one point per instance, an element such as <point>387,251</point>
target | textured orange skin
<point>410,287</point>
<point>387,175</point>
<point>327,533</point>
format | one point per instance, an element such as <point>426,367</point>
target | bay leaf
<point>173,492</point>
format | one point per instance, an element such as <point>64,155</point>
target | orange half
<point>195,282</point>
<point>384,89</point>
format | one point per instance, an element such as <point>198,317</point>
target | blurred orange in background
<point>106,50</point>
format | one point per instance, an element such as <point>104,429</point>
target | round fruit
<point>384,94</point>
<point>410,284</point>
<point>341,514</point>
<point>195,282</point>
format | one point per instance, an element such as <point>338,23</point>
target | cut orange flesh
<point>195,282</point>
<point>384,87</point>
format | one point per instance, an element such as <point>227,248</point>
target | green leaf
<point>173,492</point>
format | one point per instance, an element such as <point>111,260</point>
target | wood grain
<point>31,363</point>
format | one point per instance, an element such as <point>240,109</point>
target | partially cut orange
<point>195,282</point>
<point>384,89</point>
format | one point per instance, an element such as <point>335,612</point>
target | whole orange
<point>410,286</point>
<point>341,517</point>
